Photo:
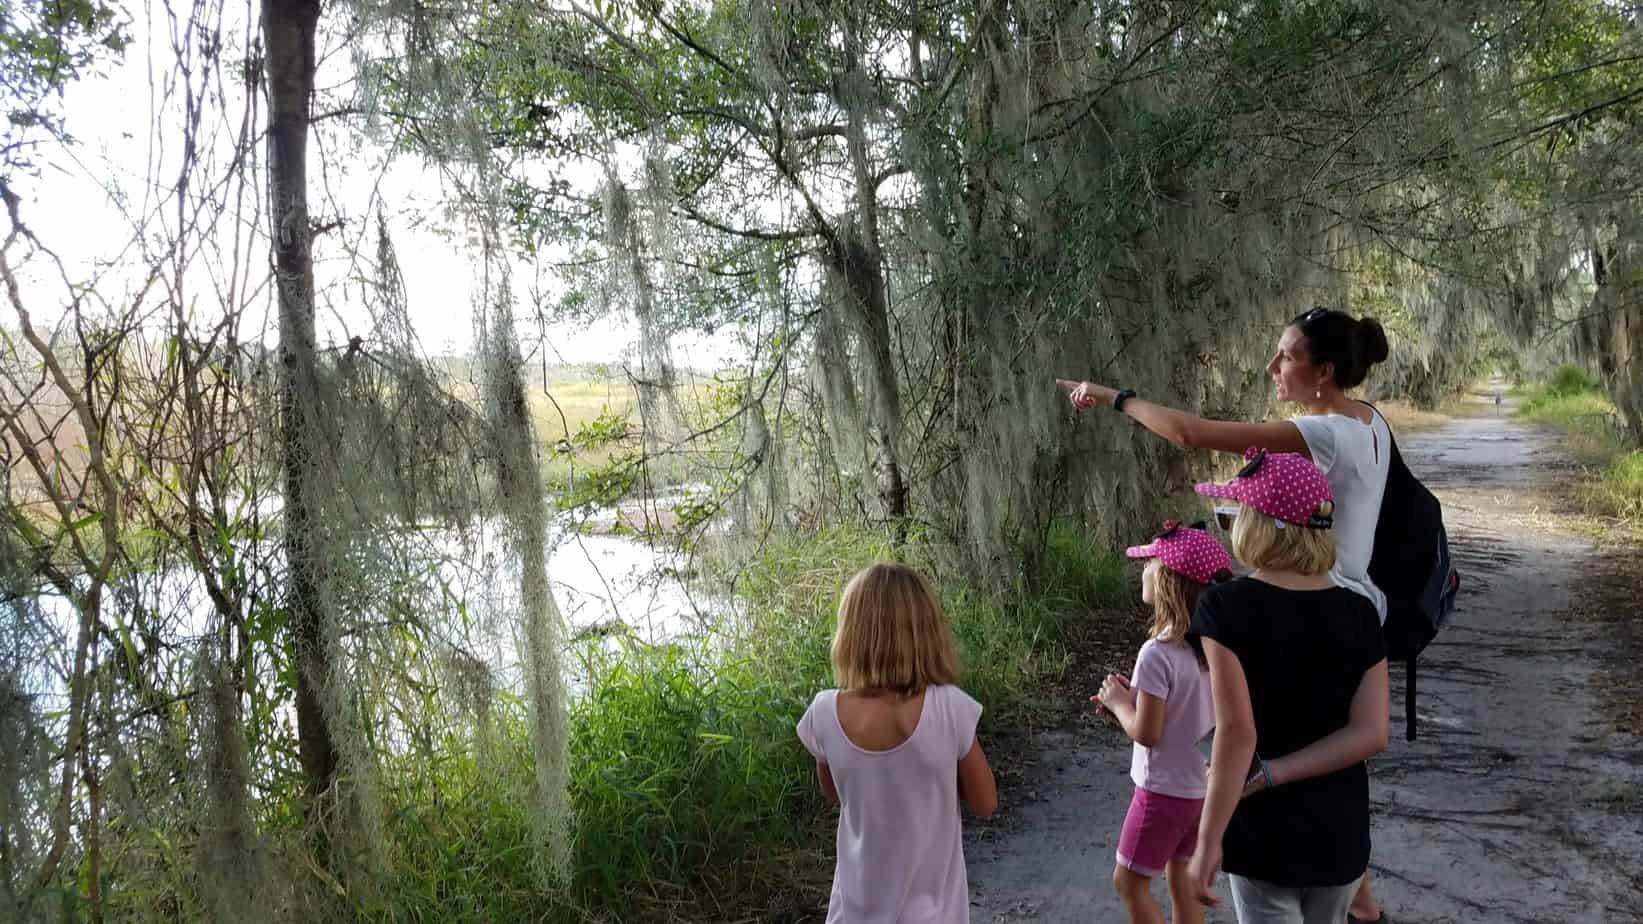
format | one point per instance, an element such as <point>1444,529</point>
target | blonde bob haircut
<point>892,634</point>
<point>1259,542</point>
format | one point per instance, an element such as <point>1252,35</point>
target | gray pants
<point>1260,902</point>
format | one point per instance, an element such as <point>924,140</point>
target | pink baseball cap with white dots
<point>1283,485</point>
<point>1188,551</point>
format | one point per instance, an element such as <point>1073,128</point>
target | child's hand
<point>1115,689</point>
<point>1201,873</point>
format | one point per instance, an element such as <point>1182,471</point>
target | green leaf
<point>85,521</point>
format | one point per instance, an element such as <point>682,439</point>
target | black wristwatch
<point>1119,399</point>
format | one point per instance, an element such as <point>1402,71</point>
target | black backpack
<point>1411,565</point>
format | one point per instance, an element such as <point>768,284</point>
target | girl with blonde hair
<point>1166,711</point>
<point>895,747</point>
<point>1297,670</point>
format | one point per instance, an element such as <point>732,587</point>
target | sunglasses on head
<point>1323,518</point>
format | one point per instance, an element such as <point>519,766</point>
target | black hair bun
<point>1372,341</point>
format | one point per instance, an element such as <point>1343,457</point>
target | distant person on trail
<point>1321,355</point>
<point>1499,397</point>
<point>1165,708</point>
<point>1297,669</point>
<point>896,748</point>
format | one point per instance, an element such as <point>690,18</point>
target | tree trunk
<point>859,271</point>
<point>858,256</point>
<point>288,31</point>
<point>1613,334</point>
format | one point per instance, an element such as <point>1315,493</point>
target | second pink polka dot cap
<point>1283,485</point>
<point>1188,551</point>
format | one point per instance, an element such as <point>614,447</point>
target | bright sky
<point>125,135</point>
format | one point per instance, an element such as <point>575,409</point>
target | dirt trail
<point>1517,803</point>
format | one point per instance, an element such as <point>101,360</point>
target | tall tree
<point>289,29</point>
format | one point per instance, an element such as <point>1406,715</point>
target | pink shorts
<point>1158,829</point>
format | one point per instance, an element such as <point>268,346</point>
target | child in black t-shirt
<point>1298,674</point>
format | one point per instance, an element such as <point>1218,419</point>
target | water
<point>610,587</point>
<point>614,582</point>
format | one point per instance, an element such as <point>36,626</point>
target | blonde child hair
<point>1173,598</point>
<point>1260,542</point>
<point>892,634</point>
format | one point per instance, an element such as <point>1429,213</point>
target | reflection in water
<point>610,582</point>
<point>611,587</point>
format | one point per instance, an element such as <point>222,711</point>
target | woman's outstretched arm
<point>1189,430</point>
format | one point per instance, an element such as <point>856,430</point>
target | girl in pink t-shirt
<point>1166,709</point>
<point>895,748</point>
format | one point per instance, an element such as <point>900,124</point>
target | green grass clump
<point>683,757</point>
<point>461,835</point>
<point>1079,574</point>
<point>1620,489</point>
<point>1570,399</point>
<point>1575,403</point>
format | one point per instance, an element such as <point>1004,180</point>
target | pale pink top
<point>900,850</point>
<point>1174,766</point>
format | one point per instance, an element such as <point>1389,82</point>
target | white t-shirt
<point>1356,457</point>
<point>900,846</point>
<point>1173,766</point>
